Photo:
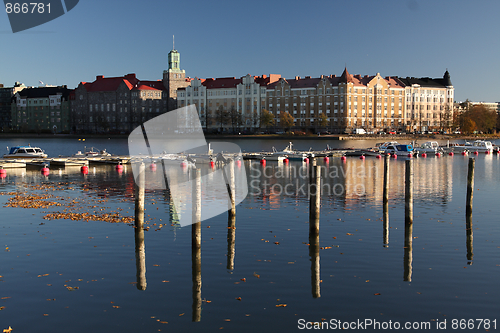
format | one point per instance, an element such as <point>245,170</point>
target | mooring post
<point>386,178</point>
<point>409,191</point>
<point>314,254</point>
<point>196,246</point>
<point>314,195</point>
<point>470,185</point>
<point>139,196</point>
<point>232,188</point>
<point>386,223</point>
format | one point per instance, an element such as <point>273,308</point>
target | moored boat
<point>25,152</point>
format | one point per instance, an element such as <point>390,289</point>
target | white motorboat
<point>395,148</point>
<point>25,152</point>
<point>289,153</point>
<point>480,146</point>
<point>429,147</point>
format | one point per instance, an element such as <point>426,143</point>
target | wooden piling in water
<point>314,195</point>
<point>409,191</point>
<point>386,179</point>
<point>386,223</point>
<point>470,185</point>
<point>140,250</point>
<point>139,196</point>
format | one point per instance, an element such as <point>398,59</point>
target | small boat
<point>480,146</point>
<point>93,152</point>
<point>429,147</point>
<point>395,148</point>
<point>25,152</point>
<point>289,153</point>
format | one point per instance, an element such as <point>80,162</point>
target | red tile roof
<point>112,83</point>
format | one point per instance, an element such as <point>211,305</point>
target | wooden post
<point>386,178</point>
<point>469,237</point>
<point>139,196</point>
<point>232,189</point>
<point>408,251</point>
<point>470,185</point>
<point>231,235</point>
<point>196,246</point>
<point>140,251</point>
<point>314,195</point>
<point>409,191</point>
<point>314,254</point>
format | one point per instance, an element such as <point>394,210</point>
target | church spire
<point>174,58</point>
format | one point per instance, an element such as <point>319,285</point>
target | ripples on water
<point>359,269</point>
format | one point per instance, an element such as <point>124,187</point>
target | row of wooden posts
<point>314,218</point>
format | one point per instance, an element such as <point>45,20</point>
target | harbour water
<point>63,271</point>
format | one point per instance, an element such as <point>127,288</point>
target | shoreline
<point>339,137</point>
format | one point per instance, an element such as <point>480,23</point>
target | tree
<point>323,120</point>
<point>235,118</point>
<point>266,118</point>
<point>286,120</point>
<point>477,117</point>
<point>221,117</point>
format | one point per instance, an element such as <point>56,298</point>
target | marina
<point>80,248</point>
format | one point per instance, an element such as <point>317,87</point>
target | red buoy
<point>212,164</point>
<point>306,160</point>
<point>119,167</point>
<point>476,153</point>
<point>45,171</point>
<point>326,159</point>
<point>286,160</point>
<point>410,155</point>
<point>362,157</point>
<point>153,167</point>
<point>84,169</point>
<point>464,153</point>
<point>3,171</point>
<point>424,155</point>
<point>184,164</point>
<point>263,162</point>
<point>379,156</point>
<point>451,153</point>
<point>238,163</point>
<point>343,158</point>
<point>487,152</point>
<point>395,156</point>
<point>438,154</point>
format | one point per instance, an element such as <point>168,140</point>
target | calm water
<point>63,275</point>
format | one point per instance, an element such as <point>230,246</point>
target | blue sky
<point>232,38</point>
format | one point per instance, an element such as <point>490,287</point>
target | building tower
<point>174,78</point>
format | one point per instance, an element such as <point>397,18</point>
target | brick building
<point>116,104</point>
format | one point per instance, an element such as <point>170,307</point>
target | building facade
<point>6,94</point>
<point>116,104</point>
<point>41,110</point>
<point>228,104</point>
<point>338,104</point>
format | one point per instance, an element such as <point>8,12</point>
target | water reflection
<point>469,237</point>
<point>408,252</point>
<point>196,245</point>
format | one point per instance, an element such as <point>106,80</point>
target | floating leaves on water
<point>377,294</point>
<point>349,234</point>
<point>238,298</point>
<point>2,307</point>
<point>244,279</point>
<point>280,305</point>
<point>7,330</point>
<point>256,275</point>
